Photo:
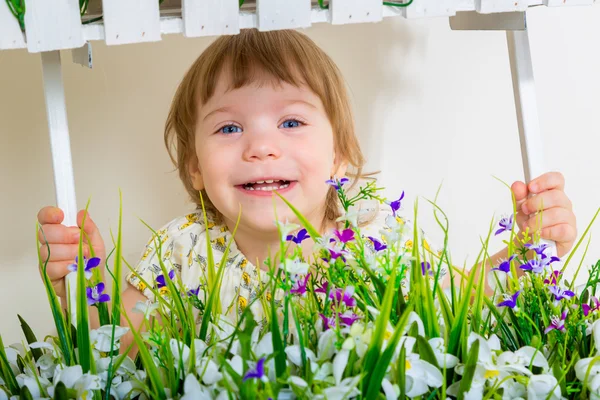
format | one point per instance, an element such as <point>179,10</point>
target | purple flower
<point>587,309</point>
<point>344,296</point>
<point>557,323</point>
<point>344,236</point>
<point>258,372</point>
<point>348,318</point>
<point>377,244</point>
<point>328,322</point>
<point>559,293</point>
<point>322,289</point>
<point>193,292</point>
<point>301,236</point>
<point>299,286</point>
<point>545,260</point>
<point>426,269</point>
<point>554,277</point>
<point>95,295</point>
<point>510,301</point>
<point>89,265</point>
<point>538,248</point>
<point>534,266</point>
<point>160,280</point>
<point>395,205</point>
<point>506,224</point>
<point>334,254</point>
<point>337,183</point>
<point>504,266</point>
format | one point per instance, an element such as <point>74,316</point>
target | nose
<point>262,145</point>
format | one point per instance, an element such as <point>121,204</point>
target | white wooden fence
<point>56,25</point>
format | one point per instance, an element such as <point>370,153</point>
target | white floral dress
<point>182,246</point>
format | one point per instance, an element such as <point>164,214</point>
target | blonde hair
<point>286,56</point>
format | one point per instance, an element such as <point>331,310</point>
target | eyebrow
<point>288,103</point>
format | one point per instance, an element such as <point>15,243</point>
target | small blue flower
<point>298,238</point>
<point>510,301</point>
<point>506,225</point>
<point>377,244</point>
<point>88,265</point>
<point>95,295</point>
<point>559,293</point>
<point>396,204</point>
<point>505,265</point>
<point>337,183</point>
<point>256,373</point>
<point>160,280</point>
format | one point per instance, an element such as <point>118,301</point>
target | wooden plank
<point>283,14</point>
<point>131,21</point>
<point>53,25</point>
<point>210,17</point>
<point>429,8</point>
<point>11,36</point>
<point>355,11</point>
<point>496,6</point>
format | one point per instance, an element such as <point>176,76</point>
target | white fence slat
<point>355,11</point>
<point>496,6</point>
<point>430,8</point>
<point>11,36</point>
<point>210,17</point>
<point>131,21</point>
<point>52,25</point>
<point>556,3</point>
<point>283,14</point>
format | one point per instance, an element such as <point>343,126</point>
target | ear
<point>339,167</point>
<point>195,174</point>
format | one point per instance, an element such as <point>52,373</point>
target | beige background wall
<point>431,105</point>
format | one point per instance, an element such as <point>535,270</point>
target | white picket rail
<point>58,26</point>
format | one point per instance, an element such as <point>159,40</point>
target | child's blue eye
<point>291,123</point>
<point>229,129</point>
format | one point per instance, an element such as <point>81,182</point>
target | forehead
<point>231,88</point>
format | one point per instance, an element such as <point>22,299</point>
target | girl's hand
<point>558,221</point>
<point>63,244</point>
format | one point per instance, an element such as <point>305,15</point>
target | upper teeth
<point>267,181</point>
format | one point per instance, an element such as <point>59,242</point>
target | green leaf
<point>25,394</point>
<point>278,346</point>
<point>116,294</point>
<point>401,375</point>
<point>30,337</point>
<point>83,321</point>
<point>374,349</point>
<point>6,371</point>
<point>62,330</point>
<point>426,352</point>
<point>383,363</point>
<point>148,362</point>
<point>60,391</point>
<point>469,372</point>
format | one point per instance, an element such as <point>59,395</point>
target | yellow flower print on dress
<point>246,278</point>
<point>242,302</point>
<point>191,219</point>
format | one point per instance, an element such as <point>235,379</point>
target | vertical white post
<point>60,145</point>
<point>532,146</point>
<point>131,21</point>
<point>283,14</point>
<point>210,17</point>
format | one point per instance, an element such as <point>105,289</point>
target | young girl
<point>256,113</point>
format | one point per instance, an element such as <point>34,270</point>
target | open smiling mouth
<point>267,185</point>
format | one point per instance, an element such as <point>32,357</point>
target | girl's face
<point>260,138</point>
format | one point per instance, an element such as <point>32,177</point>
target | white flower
<point>101,337</point>
<point>339,365</point>
<point>391,391</point>
<point>148,308</point>
<point>443,359</point>
<point>286,228</point>
<point>326,345</point>
<point>542,387</point>
<point>179,350</point>
<point>593,379</point>
<point>352,217</point>
<point>74,378</point>
<point>324,371</point>
<point>295,267</point>
<point>209,371</point>
<point>358,339</point>
<point>32,384</point>
<point>295,356</point>
<point>346,389</point>
<point>193,390</point>
<point>420,375</point>
<point>133,387</point>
